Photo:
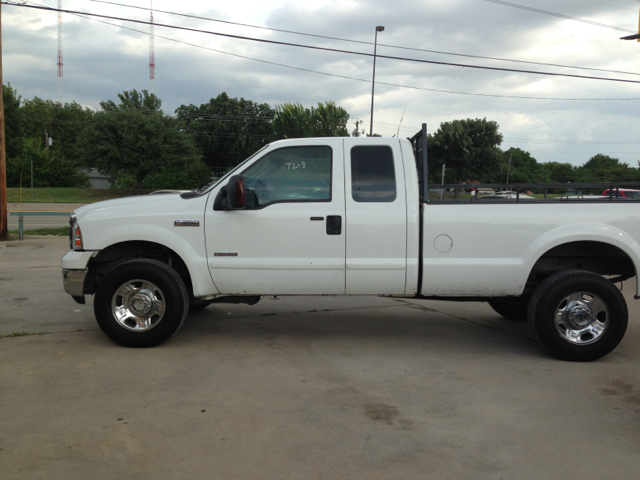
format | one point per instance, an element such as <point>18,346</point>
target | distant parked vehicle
<point>580,197</point>
<point>506,195</point>
<point>161,192</point>
<point>623,193</point>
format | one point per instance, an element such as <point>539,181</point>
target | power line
<point>560,15</point>
<point>364,42</point>
<point>348,52</point>
<point>609,5</point>
<point>520,97</point>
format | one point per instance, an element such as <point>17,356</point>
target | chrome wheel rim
<point>138,305</point>
<point>581,318</point>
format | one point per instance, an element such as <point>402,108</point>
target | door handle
<point>334,224</point>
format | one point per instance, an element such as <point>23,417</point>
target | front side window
<point>294,174</point>
<point>373,177</point>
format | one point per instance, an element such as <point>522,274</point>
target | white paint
<point>280,249</point>
<point>490,249</point>
<point>376,231</point>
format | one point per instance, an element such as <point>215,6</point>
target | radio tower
<point>152,60</point>
<point>59,52</point>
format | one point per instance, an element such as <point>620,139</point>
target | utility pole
<point>3,164</point>
<point>509,169</point>
<point>356,132</point>
<point>442,189</point>
<point>373,83</point>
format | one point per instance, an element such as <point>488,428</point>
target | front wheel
<point>578,315</point>
<point>141,303</point>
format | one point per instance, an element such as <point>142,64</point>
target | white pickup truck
<point>348,216</point>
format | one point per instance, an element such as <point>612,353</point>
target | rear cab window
<point>373,176</point>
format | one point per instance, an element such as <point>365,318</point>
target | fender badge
<point>186,223</point>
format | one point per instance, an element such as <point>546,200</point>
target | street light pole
<point>373,83</point>
<point>4,233</point>
<point>635,36</point>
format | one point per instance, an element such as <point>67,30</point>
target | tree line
<point>138,146</point>
<point>470,150</point>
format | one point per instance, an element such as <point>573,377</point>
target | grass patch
<point>56,231</point>
<point>65,195</point>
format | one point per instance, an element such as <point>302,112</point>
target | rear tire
<point>512,309</point>
<point>141,303</point>
<point>578,316</point>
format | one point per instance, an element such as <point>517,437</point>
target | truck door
<point>376,218</point>
<point>293,240</point>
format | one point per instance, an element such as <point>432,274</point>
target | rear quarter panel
<point>494,247</point>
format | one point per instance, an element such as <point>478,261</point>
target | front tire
<point>141,303</point>
<point>578,316</point>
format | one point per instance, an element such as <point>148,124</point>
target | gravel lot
<point>309,388</point>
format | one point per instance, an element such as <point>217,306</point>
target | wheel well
<point>597,257</point>
<point>112,256</point>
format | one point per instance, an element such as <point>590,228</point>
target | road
<point>40,215</point>
<point>303,387</point>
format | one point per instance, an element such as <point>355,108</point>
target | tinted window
<point>292,174</point>
<point>373,177</point>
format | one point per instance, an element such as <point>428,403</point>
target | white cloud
<point>102,60</point>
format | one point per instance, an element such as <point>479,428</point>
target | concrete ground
<point>308,388</point>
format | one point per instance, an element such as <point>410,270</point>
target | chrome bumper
<point>73,281</point>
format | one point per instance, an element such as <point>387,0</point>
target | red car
<point>623,193</point>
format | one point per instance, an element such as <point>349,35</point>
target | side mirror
<point>236,196</point>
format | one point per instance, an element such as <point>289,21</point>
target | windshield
<point>206,188</point>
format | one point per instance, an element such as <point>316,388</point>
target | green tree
<point>603,168</point>
<point>469,149</point>
<point>50,168</point>
<point>63,123</point>
<point>524,168</point>
<point>133,100</point>
<point>227,130</point>
<point>132,144</point>
<point>295,121</point>
<point>13,125</point>
<point>556,172</point>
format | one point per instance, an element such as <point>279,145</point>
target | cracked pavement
<point>302,387</point>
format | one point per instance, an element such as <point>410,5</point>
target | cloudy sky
<point>561,119</point>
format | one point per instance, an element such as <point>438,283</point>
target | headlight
<point>75,235</point>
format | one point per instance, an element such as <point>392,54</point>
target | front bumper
<point>73,281</point>
<point>74,273</point>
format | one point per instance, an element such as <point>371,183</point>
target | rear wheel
<point>512,309</point>
<point>141,303</point>
<point>578,316</point>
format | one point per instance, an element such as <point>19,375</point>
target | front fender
<point>187,242</point>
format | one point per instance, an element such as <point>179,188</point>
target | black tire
<point>578,316</point>
<point>153,287</point>
<point>513,309</point>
